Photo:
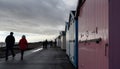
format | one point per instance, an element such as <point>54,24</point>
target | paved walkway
<point>52,58</point>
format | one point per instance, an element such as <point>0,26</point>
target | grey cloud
<point>35,16</point>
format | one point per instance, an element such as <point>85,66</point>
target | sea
<point>2,44</point>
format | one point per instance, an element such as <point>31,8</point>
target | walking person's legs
<point>13,54</point>
<point>22,52</point>
<point>6,54</point>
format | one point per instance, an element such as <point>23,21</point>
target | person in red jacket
<point>23,45</point>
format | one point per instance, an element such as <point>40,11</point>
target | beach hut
<point>71,42</point>
<point>93,34</point>
<point>63,40</point>
<point>114,34</point>
<point>67,38</point>
<point>58,41</point>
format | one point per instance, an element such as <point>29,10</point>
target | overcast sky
<point>43,17</point>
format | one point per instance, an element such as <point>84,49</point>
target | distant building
<point>63,40</point>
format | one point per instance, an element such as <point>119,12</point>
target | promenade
<point>51,58</point>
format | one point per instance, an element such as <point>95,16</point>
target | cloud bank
<point>34,16</point>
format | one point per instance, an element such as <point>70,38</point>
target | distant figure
<point>55,42</point>
<point>51,43</point>
<point>45,43</point>
<point>23,44</point>
<point>10,41</point>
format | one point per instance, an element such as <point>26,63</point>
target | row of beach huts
<point>85,38</point>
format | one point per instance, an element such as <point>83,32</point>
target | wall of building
<point>63,42</point>
<point>93,35</point>
<point>58,41</point>
<point>114,34</point>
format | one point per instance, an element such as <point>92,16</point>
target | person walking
<point>10,41</point>
<point>23,45</point>
<point>45,43</point>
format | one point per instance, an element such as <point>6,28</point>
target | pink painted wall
<point>93,24</point>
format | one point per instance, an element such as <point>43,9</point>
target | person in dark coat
<point>23,45</point>
<point>10,41</point>
<point>45,43</point>
<point>51,43</point>
<point>55,43</point>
